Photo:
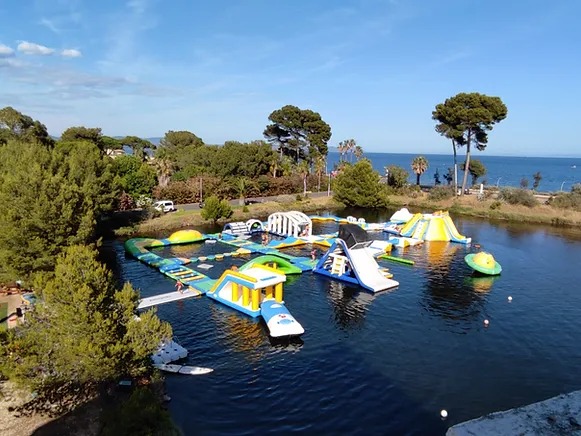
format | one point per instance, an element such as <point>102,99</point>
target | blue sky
<point>373,69</point>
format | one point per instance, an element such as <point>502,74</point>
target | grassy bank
<point>467,206</point>
<point>492,209</point>
<point>181,218</point>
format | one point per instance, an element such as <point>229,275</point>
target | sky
<point>373,69</point>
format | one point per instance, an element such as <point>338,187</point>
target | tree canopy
<point>51,198</point>
<point>180,139</point>
<point>83,330</point>
<point>299,133</point>
<point>466,119</point>
<point>140,147</point>
<point>358,185</point>
<point>134,176</point>
<point>17,126</point>
<point>80,133</point>
<point>476,169</point>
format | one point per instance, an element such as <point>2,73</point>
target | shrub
<point>518,196</point>
<point>299,197</point>
<point>570,200</point>
<point>245,209</point>
<point>441,193</point>
<point>125,202</point>
<point>143,201</point>
<point>358,185</point>
<point>495,205</point>
<point>215,209</point>
<point>397,177</point>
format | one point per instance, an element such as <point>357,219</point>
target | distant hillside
<point>155,140</point>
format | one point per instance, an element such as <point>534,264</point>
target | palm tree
<point>303,168</point>
<point>241,185</point>
<point>274,162</point>
<point>347,147</point>
<point>419,166</point>
<point>164,168</point>
<point>358,152</point>
<point>342,149</point>
<point>320,164</point>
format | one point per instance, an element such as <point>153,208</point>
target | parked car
<point>164,206</point>
<point>251,201</point>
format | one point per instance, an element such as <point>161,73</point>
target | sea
<point>558,174</point>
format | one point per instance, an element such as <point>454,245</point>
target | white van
<point>164,206</point>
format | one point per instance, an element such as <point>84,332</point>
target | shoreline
<point>464,206</point>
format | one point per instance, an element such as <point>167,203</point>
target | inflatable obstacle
<point>433,227</point>
<point>350,260</point>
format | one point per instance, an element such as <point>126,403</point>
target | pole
<point>455,177</point>
<point>498,182</point>
<point>562,186</point>
<point>329,186</point>
<point>201,196</point>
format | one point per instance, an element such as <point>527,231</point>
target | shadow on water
<point>349,304</point>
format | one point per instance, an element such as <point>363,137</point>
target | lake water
<point>387,363</point>
<point>557,173</point>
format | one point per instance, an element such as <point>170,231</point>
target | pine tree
<point>82,333</point>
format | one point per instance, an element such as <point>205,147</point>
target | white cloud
<point>71,53</point>
<point>30,48</point>
<point>5,51</point>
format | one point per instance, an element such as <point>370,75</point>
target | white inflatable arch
<point>290,224</point>
<point>254,225</point>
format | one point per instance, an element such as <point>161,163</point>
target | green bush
<point>518,196</point>
<point>438,193</point>
<point>570,200</point>
<point>358,185</point>
<point>215,209</point>
<point>397,177</point>
<point>245,209</point>
<point>495,205</point>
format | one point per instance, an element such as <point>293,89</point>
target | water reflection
<point>447,294</point>
<point>439,255</point>
<point>240,333</point>
<point>481,283</point>
<point>349,304</point>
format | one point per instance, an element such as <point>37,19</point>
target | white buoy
<point>486,322</point>
<point>444,413</point>
<point>509,298</point>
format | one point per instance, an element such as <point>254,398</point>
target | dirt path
<point>9,422</point>
<point>83,421</point>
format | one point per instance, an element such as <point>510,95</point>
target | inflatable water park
<point>256,288</point>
